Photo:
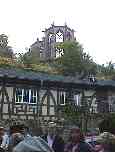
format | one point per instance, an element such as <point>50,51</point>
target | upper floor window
<point>51,38</point>
<point>62,97</point>
<point>77,99</point>
<point>26,96</point>
<point>59,36</point>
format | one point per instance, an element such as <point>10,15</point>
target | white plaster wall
<point>45,101</point>
<point>44,110</point>
<point>54,92</point>
<point>51,101</point>
<point>0,95</point>
<point>23,117</point>
<point>41,94</point>
<point>89,92</point>
<point>5,108</point>
<point>5,116</point>
<point>10,92</point>
<point>52,111</point>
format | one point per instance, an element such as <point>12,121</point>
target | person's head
<point>76,135</point>
<point>98,147</point>
<point>2,131</point>
<point>17,129</point>
<point>23,129</point>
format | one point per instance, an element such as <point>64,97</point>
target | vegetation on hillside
<point>5,50</point>
<point>74,62</point>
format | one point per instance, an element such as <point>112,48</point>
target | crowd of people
<point>18,139</point>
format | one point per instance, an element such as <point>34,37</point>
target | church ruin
<point>52,37</point>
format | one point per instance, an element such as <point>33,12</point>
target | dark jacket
<point>82,147</point>
<point>58,144</point>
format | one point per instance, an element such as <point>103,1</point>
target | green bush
<point>108,124</point>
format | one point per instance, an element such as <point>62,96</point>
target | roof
<point>32,75</point>
<point>59,26</point>
<point>23,74</point>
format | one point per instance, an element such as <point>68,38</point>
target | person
<point>77,142</point>
<point>53,138</point>
<point>16,138</point>
<point>27,131</point>
<point>17,134</point>
<point>107,142</point>
<point>21,141</point>
<point>98,147</point>
<point>4,139</point>
<point>32,144</point>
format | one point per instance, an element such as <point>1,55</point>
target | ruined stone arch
<point>59,36</point>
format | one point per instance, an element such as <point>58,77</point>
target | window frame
<point>60,94</point>
<point>77,99</point>
<point>26,102</point>
<point>59,37</point>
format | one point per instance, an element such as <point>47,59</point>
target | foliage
<point>3,40</point>
<point>43,67</point>
<point>12,62</point>
<point>74,60</point>
<point>5,50</point>
<point>106,71</point>
<point>108,123</point>
<point>72,113</point>
<point>30,57</point>
<point>7,61</point>
<point>30,60</point>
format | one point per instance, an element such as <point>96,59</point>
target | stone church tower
<point>52,36</point>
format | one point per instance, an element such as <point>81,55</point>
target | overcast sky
<point>92,20</point>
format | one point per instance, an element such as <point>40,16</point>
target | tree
<point>31,57</point>
<point>79,114</point>
<point>5,50</point>
<point>3,40</point>
<point>108,123</point>
<point>74,61</point>
<point>106,71</point>
<point>72,113</point>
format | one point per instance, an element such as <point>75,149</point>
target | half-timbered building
<point>38,97</point>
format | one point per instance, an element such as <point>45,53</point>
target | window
<point>59,36</point>
<point>26,96</point>
<point>19,95</point>
<point>77,100</point>
<point>62,96</point>
<point>59,52</point>
<point>112,103</point>
<point>33,96</point>
<point>51,38</point>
